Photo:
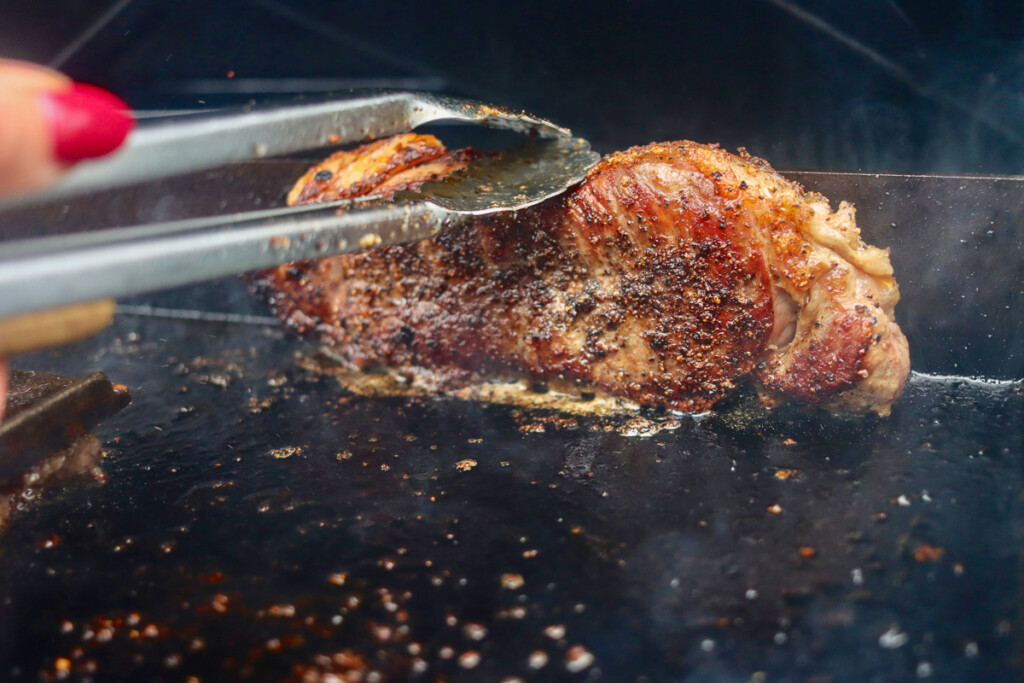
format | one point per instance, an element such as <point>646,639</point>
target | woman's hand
<point>47,123</point>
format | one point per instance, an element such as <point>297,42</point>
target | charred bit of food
<point>673,273</point>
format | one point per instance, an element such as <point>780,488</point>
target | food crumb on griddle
<point>643,427</point>
<point>62,667</point>
<point>469,660</point>
<point>555,631</point>
<point>578,658</point>
<point>512,581</point>
<point>219,604</point>
<point>216,379</point>
<point>893,638</point>
<point>281,611</point>
<point>474,631</point>
<point>465,465</point>
<point>286,452</point>
<point>538,659</point>
<point>929,553</point>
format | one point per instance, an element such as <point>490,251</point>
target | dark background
<point>905,85</point>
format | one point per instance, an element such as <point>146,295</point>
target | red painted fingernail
<point>86,122</point>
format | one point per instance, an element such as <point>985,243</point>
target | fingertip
<point>86,121</point>
<point>50,122</point>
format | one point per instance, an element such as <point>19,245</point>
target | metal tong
<point>45,273</point>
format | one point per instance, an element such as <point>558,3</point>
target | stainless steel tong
<point>45,273</point>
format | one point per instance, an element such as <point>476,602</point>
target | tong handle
<point>54,327</point>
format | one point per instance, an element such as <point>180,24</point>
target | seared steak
<point>672,273</point>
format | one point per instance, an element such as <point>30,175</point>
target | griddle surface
<point>259,523</point>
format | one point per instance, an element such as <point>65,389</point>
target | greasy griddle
<point>261,523</point>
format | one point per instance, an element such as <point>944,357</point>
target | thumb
<point>48,122</point>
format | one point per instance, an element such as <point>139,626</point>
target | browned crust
<point>653,280</point>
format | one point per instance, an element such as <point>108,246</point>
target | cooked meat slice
<point>673,272</point>
<point>403,162</point>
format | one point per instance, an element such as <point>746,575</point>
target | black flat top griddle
<point>260,523</point>
<point>257,521</point>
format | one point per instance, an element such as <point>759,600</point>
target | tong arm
<point>187,144</point>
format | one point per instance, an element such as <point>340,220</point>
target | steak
<point>671,274</point>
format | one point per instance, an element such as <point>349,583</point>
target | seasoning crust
<point>672,273</point>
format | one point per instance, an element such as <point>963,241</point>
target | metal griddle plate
<point>259,523</point>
